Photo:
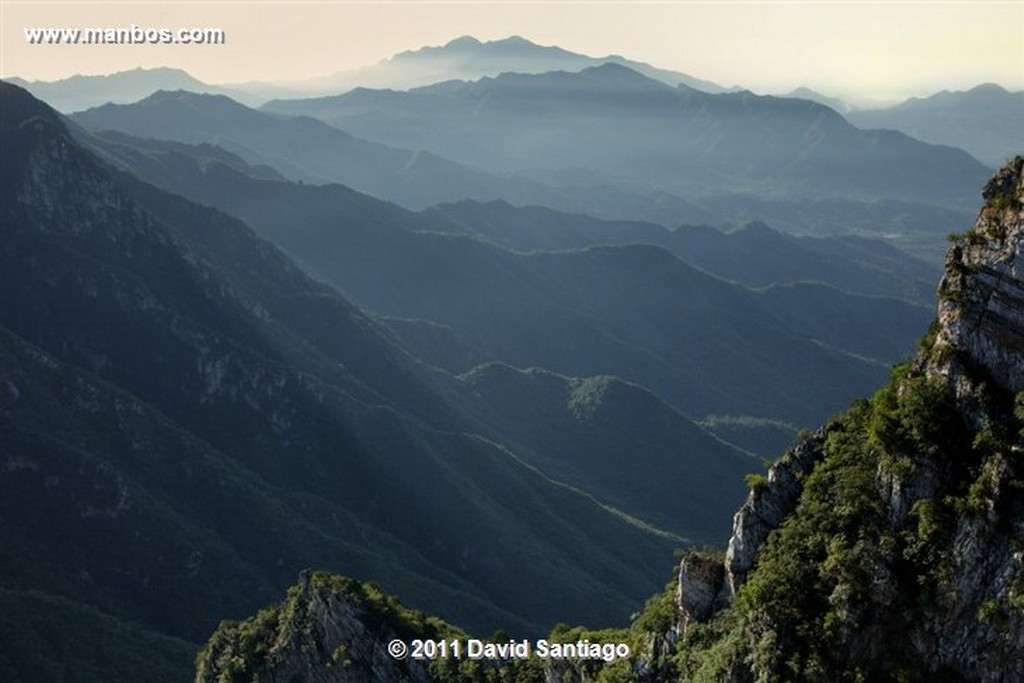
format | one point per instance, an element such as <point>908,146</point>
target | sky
<point>861,50</point>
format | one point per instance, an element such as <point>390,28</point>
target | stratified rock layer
<point>981,309</point>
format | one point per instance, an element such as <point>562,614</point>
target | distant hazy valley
<point>494,325</point>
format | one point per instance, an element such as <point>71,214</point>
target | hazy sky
<point>886,50</point>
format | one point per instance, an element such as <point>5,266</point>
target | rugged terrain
<point>887,545</point>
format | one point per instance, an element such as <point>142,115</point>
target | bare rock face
<point>323,633</point>
<point>767,505</point>
<point>979,629</point>
<point>706,585</point>
<point>981,309</point>
<point>701,578</point>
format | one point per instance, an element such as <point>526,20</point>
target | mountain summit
<point>469,59</point>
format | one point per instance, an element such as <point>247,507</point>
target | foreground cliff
<point>888,545</point>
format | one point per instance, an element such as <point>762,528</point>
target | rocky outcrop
<point>981,309</point>
<point>706,585</point>
<point>978,630</point>
<point>329,630</point>
<point>699,592</point>
<point>767,505</point>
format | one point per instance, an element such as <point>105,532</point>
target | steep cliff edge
<point>981,296</point>
<point>890,543</point>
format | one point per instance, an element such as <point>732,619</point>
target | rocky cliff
<point>981,310</point>
<point>890,542</point>
<point>329,629</point>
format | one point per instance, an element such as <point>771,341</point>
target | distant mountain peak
<point>182,96</point>
<point>163,71</point>
<point>608,77</point>
<point>621,74</point>
<point>988,88</point>
<point>467,58</point>
<point>984,120</point>
<point>471,41</point>
<point>468,46</point>
<point>805,93</point>
<point>181,93</point>
<point>81,92</point>
<point>462,41</point>
<point>612,68</point>
<point>164,95</point>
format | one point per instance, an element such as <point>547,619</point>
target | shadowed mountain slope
<point>188,420</point>
<point>306,150</point>
<point>629,310</point>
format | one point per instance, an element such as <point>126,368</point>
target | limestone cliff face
<point>981,309</point>
<point>957,502</point>
<point>979,631</point>
<point>767,505</point>
<point>705,587</point>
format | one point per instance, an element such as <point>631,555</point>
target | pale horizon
<point>859,51</point>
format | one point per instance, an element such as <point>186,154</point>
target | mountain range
<point>753,254</point>
<point>189,420</point>
<point>886,545</point>
<point>464,58</point>
<point>613,120</point>
<point>980,120</point>
<point>627,306</point>
<point>468,59</point>
<point>186,412</point>
<point>123,87</point>
<point>310,151</point>
<point>307,150</point>
<point>196,414</point>
<point>499,344</point>
<point>984,120</point>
